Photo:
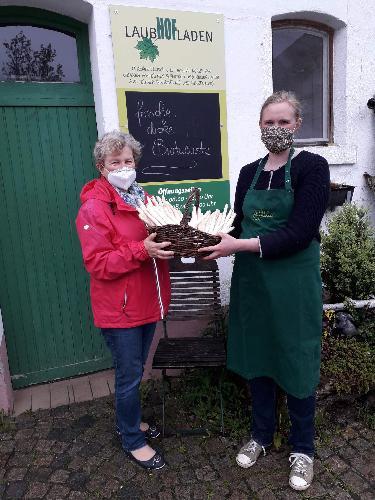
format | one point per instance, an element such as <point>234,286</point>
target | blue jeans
<point>301,414</point>
<point>129,348</point>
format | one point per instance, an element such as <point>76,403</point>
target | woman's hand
<point>227,246</point>
<point>155,250</point>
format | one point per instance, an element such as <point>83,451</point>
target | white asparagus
<point>157,215</point>
<point>203,222</point>
<point>199,216</point>
<point>220,220</point>
<point>211,225</point>
<point>228,217</point>
<point>228,224</point>
<point>157,211</point>
<point>219,223</point>
<point>154,222</point>
<point>178,213</point>
<point>193,220</point>
<point>172,216</point>
<point>146,219</point>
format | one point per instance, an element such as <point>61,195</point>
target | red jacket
<point>127,287</point>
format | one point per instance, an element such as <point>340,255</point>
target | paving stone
<point>16,474</point>
<point>72,453</point>
<point>76,463</point>
<point>289,494</point>
<point>15,489</point>
<point>361,444</point>
<point>58,491</point>
<point>206,473</point>
<point>324,453</point>
<point>354,482</point>
<point>24,434</point>
<point>19,459</point>
<point>368,495</point>
<point>336,464</point>
<point>59,476</point>
<point>338,442</point>
<point>78,480</point>
<point>240,495</point>
<point>60,461</point>
<point>78,495</point>
<point>37,490</point>
<point>165,495</point>
<point>7,446</point>
<point>43,460</point>
<point>318,489</point>
<point>37,474</point>
<point>266,494</point>
<point>339,493</point>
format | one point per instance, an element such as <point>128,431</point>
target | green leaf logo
<point>147,49</point>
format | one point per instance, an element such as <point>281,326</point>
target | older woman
<point>275,320</point>
<point>129,281</point>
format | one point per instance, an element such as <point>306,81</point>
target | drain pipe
<point>357,304</point>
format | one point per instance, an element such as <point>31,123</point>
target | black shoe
<point>155,463</point>
<point>151,433</point>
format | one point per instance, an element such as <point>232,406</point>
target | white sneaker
<point>249,453</point>
<point>302,472</point>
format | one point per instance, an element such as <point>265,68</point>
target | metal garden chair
<point>195,295</point>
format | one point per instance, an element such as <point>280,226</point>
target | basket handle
<point>195,193</point>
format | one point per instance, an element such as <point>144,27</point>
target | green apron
<point>275,315</point>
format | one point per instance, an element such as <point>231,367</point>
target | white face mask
<point>122,178</point>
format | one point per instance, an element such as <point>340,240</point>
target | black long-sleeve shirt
<point>310,182</point>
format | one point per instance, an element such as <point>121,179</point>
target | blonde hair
<point>114,142</point>
<point>283,96</point>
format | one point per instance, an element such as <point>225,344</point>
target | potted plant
<point>339,194</point>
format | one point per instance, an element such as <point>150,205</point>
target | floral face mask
<point>277,139</point>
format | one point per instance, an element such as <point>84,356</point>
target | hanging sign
<point>170,84</point>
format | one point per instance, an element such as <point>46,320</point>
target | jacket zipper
<point>125,300</point>
<point>158,289</point>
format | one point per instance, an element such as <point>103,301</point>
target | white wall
<point>248,56</point>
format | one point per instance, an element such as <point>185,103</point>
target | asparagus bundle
<point>158,211</point>
<point>212,223</point>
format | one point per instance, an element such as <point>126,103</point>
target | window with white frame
<point>302,63</point>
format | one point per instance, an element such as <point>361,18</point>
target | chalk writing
<point>180,133</point>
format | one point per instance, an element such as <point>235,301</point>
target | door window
<point>35,54</point>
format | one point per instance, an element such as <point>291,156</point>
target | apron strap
<point>262,162</point>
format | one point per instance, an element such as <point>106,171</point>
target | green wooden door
<point>47,132</point>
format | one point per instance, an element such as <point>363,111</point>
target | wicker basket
<point>185,240</point>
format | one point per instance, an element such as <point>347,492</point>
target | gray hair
<point>114,142</point>
<point>283,96</point>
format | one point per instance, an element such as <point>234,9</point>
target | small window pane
<point>300,64</point>
<point>30,53</point>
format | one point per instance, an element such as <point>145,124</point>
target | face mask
<point>122,178</point>
<point>277,139</point>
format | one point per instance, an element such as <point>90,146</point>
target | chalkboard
<point>180,133</point>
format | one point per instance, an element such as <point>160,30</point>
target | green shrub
<point>348,364</point>
<point>348,255</point>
